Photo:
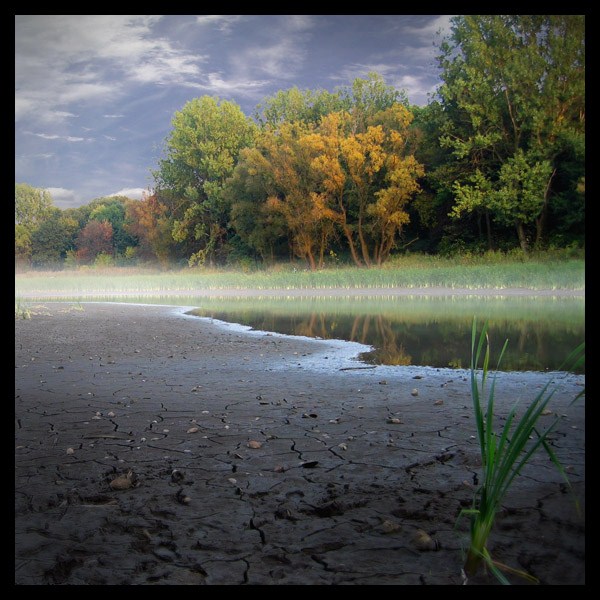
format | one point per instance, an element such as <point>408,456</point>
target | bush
<point>104,260</point>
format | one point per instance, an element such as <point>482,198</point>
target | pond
<point>423,331</point>
<point>415,330</point>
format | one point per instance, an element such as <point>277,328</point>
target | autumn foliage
<point>495,161</point>
<point>95,238</point>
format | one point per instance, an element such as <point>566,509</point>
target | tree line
<point>495,160</point>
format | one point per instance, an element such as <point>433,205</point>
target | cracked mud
<point>344,475</point>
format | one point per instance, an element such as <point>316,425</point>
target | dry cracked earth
<point>243,460</point>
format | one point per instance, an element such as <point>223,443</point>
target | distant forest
<point>495,161</point>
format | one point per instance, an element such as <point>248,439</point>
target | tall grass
<point>413,271</point>
<point>504,453</point>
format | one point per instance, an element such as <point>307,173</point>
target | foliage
<point>104,260</point>
<point>306,106</point>
<point>32,205</point>
<point>112,210</point>
<point>94,239</point>
<point>22,243</point>
<point>201,153</point>
<point>504,453</point>
<point>52,239</point>
<point>514,93</point>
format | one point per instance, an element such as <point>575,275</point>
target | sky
<point>95,94</point>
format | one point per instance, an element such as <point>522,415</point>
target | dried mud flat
<point>261,459</point>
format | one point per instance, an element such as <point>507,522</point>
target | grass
<point>504,453</point>
<point>490,271</point>
<point>21,310</point>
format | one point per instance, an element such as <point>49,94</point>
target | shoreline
<point>314,292</point>
<point>333,492</point>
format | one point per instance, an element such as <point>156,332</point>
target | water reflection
<point>422,331</point>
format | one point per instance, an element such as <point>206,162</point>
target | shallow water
<point>419,331</point>
<point>434,332</point>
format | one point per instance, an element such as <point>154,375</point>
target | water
<point>423,331</point>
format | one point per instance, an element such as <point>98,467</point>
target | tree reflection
<point>399,339</point>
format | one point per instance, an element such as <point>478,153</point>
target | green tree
<point>201,153</point>
<point>306,106</point>
<point>52,239</point>
<point>516,198</point>
<point>32,205</point>
<point>259,228</point>
<point>22,244</point>
<point>369,96</point>
<point>513,83</point>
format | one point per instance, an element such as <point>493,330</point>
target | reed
<point>504,453</point>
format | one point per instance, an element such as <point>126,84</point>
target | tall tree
<point>513,83</point>
<point>263,231</point>
<point>292,193</point>
<point>201,153</point>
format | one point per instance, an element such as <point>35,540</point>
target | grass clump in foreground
<point>21,311</point>
<point>503,453</point>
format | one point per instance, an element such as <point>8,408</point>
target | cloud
<point>62,195</point>
<point>113,116</point>
<point>133,193</point>
<point>281,54</point>
<point>38,155</point>
<point>53,136</point>
<point>215,83</point>
<point>65,59</point>
<point>223,23</point>
<point>429,30</point>
<point>360,70</point>
<point>108,137</point>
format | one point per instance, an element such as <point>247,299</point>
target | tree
<point>52,239</point>
<point>369,96</point>
<point>326,146</point>
<point>146,220</point>
<point>95,238</point>
<point>514,83</point>
<point>247,191</point>
<point>112,210</point>
<point>22,244</point>
<point>32,205</point>
<point>306,106</point>
<point>202,151</point>
<point>292,191</point>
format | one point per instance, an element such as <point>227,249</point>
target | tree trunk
<point>540,222</point>
<point>363,244</point>
<point>522,237</point>
<point>351,245</point>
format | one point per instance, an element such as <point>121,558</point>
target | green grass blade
<point>504,454</point>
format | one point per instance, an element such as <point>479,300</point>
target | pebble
<point>164,554</point>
